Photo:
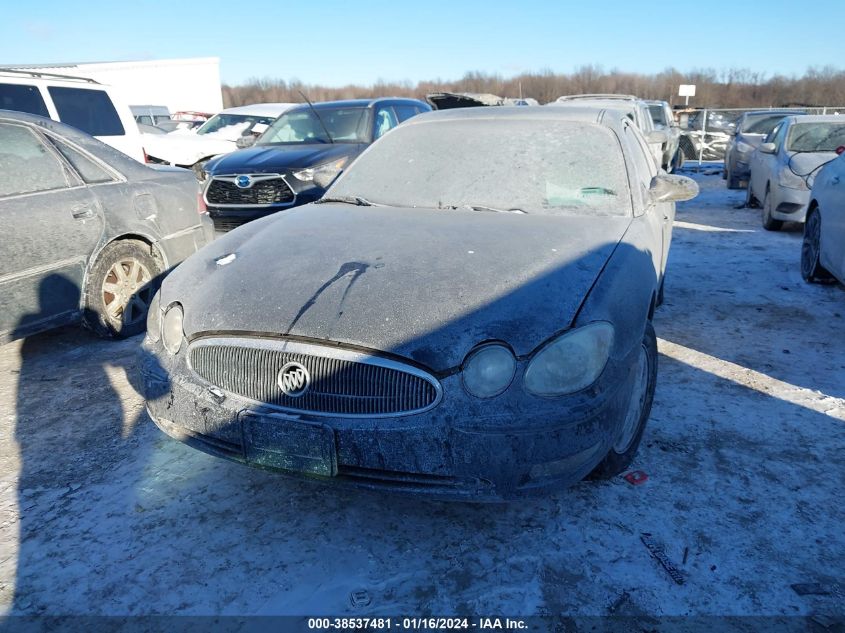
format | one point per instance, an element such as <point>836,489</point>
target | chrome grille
<point>342,382</point>
<point>266,191</point>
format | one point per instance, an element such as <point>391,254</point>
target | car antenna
<point>317,114</point>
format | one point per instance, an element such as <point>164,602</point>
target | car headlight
<point>199,170</point>
<point>570,362</point>
<point>744,149</point>
<point>787,178</point>
<point>154,318</point>
<point>171,329</point>
<point>488,370</point>
<point>322,175</point>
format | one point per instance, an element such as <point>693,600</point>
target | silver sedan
<point>823,250</point>
<point>87,232</point>
<point>784,166</point>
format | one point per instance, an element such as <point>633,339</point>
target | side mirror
<point>245,141</point>
<point>768,148</point>
<point>667,188</point>
<point>657,136</point>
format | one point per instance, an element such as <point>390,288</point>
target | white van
<point>83,103</point>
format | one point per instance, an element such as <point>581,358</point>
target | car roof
<point>261,109</point>
<point>775,111</point>
<point>817,118</point>
<point>358,103</point>
<point>598,97</point>
<point>593,116</point>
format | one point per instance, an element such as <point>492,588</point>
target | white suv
<point>83,103</point>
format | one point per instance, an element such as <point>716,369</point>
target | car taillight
<point>201,206</point>
<point>146,158</point>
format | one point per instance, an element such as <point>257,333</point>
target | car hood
<point>277,158</point>
<point>809,163</point>
<point>423,284</point>
<point>185,149</point>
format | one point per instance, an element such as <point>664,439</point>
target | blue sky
<point>336,43</point>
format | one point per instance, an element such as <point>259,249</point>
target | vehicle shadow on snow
<point>73,432</point>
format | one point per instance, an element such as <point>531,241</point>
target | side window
<point>385,120</point>
<point>406,111</point>
<point>91,172</point>
<point>643,165</point>
<point>26,164</point>
<point>771,136</point>
<point>22,99</point>
<point>88,110</point>
<point>781,134</point>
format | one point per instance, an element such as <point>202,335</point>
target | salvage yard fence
<point>706,131</point>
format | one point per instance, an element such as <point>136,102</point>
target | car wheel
<point>678,159</point>
<point>750,200</point>
<point>811,269</point>
<point>121,284</point>
<point>733,181</point>
<point>625,445</point>
<point>769,223</point>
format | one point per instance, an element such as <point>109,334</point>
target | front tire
<point>121,285</point>
<point>811,269</point>
<point>769,223</point>
<point>627,442</point>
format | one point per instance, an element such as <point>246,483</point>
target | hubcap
<point>810,246</point>
<point>123,298</point>
<point>635,408</point>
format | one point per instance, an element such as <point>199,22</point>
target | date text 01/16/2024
<point>416,624</point>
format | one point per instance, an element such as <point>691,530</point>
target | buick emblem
<point>293,380</point>
<point>243,182</point>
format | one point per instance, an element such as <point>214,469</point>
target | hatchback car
<point>784,166</point>
<point>751,128</point>
<point>297,158</point>
<point>460,319</point>
<point>823,248</point>
<point>86,230</point>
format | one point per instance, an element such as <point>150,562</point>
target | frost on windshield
<point>816,137</point>
<point>535,165</point>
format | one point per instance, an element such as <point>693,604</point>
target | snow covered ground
<point>100,513</point>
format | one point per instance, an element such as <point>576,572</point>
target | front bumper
<point>506,447</point>
<point>792,205</point>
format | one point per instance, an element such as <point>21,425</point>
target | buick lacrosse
<point>466,313</point>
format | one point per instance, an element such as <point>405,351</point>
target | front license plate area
<point>279,441</point>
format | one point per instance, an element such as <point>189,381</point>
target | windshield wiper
<point>356,200</point>
<point>481,207</point>
<point>317,114</point>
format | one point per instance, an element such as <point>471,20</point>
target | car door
<point>774,163</point>
<point>658,217</point>
<point>761,165</point>
<point>51,223</point>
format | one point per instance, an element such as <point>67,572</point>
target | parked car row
<point>793,167</point>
